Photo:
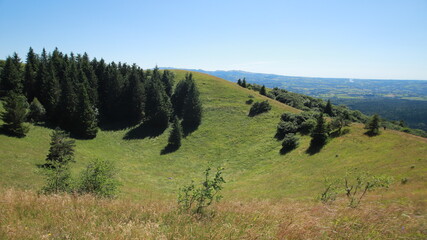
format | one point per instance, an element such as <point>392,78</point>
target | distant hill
<point>393,99</point>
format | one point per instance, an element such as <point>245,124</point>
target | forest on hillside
<point>79,94</point>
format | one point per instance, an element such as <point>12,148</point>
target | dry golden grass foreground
<point>26,215</point>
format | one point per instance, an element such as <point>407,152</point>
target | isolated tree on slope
<point>373,125</point>
<point>16,110</point>
<point>175,134</point>
<point>319,134</point>
<point>262,91</point>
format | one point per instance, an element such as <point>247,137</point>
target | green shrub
<point>290,142</point>
<point>196,198</point>
<point>259,107</point>
<point>99,178</point>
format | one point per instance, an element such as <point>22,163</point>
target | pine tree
<point>16,110</point>
<point>87,116</point>
<point>168,81</point>
<point>12,77</point>
<point>175,134</point>
<point>192,112</point>
<point>61,151</point>
<point>69,100</point>
<point>373,125</point>
<point>158,106</point>
<point>319,133</point>
<point>50,91</point>
<point>239,82</point>
<point>180,94</point>
<point>136,95</point>
<point>37,111</point>
<point>328,109</point>
<point>244,84</point>
<point>262,91</point>
<point>30,75</point>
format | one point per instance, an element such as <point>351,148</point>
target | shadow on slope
<point>144,130</point>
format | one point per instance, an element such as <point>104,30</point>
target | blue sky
<point>341,38</point>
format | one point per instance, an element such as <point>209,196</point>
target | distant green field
<point>244,145</point>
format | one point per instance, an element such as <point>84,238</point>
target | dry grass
<point>25,215</point>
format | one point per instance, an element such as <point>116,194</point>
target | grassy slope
<point>244,146</point>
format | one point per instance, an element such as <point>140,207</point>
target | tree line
<point>78,94</point>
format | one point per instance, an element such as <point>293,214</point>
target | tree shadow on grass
<point>169,149</point>
<point>314,148</point>
<point>116,126</point>
<point>4,131</point>
<point>372,133</point>
<point>144,130</point>
<point>187,129</point>
<point>284,151</point>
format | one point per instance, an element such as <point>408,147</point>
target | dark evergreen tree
<point>373,125</point>
<point>37,111</point>
<point>136,95</point>
<point>30,75</point>
<point>15,114</point>
<point>92,80</point>
<point>262,91</point>
<point>180,94</point>
<point>114,83</point>
<point>87,121</point>
<point>69,100</point>
<point>319,134</point>
<point>158,106</point>
<point>175,134</point>
<point>328,109</point>
<point>168,79</point>
<point>239,82</point>
<point>61,151</point>
<point>12,77</point>
<point>244,84</point>
<point>50,91</point>
<point>192,110</point>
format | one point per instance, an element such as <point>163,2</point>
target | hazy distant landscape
<point>392,99</point>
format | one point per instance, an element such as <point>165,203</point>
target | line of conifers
<point>79,95</point>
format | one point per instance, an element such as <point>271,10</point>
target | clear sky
<point>338,38</point>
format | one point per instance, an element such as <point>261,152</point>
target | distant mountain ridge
<point>392,99</point>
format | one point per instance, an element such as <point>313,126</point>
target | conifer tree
<point>319,133</point>
<point>244,84</point>
<point>239,82</point>
<point>69,100</point>
<point>373,125</point>
<point>30,75</point>
<point>50,91</point>
<point>12,77</point>
<point>168,81</point>
<point>180,94</point>
<point>136,93</point>
<point>61,151</point>
<point>15,114</point>
<point>262,91</point>
<point>87,116</point>
<point>175,134</point>
<point>192,111</point>
<point>158,105</point>
<point>328,109</point>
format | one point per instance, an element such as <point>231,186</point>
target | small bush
<point>58,178</point>
<point>307,126</point>
<point>290,142</point>
<point>196,199</point>
<point>99,178</point>
<point>249,101</point>
<point>37,111</point>
<point>259,107</point>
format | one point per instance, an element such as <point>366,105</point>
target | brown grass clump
<point>26,215</point>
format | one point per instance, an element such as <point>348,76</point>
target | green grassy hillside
<point>244,145</point>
